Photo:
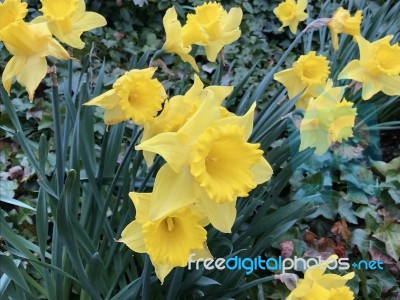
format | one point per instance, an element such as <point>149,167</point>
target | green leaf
<point>8,200</point>
<point>359,237</point>
<point>389,233</point>
<point>9,267</point>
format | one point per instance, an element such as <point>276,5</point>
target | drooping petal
<point>221,215</point>
<point>162,271</point>
<point>114,115</point>
<point>371,87</point>
<point>32,73</point>
<point>13,67</point>
<point>212,50</point>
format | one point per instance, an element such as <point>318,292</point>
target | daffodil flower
<point>135,95</point>
<point>170,240</point>
<point>29,44</point>
<point>317,285</point>
<point>291,14</point>
<point>68,19</point>
<point>178,109</point>
<point>308,75</point>
<point>213,27</point>
<point>378,68</point>
<point>327,119</point>
<point>11,11</point>
<point>209,163</point>
<point>342,22</point>
<point>177,42</point>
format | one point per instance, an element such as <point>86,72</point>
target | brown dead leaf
<point>340,228</point>
<point>309,237</point>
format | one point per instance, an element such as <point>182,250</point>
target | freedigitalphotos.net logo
<point>280,264</point>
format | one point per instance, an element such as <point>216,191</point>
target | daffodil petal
<point>370,88</point>
<point>220,92</point>
<point>13,67</point>
<point>262,171</point>
<point>390,85</point>
<point>289,79</point>
<point>353,70</point>
<point>207,113</point>
<point>89,21</point>
<point>132,236</point>
<point>233,19</point>
<point>245,121</point>
<point>162,271</point>
<point>32,74</point>
<point>221,215</point>
<point>169,146</point>
<point>114,115</point>
<point>142,203</point>
<point>72,39</point>
<point>108,100</point>
<point>213,49</point>
<point>172,191</point>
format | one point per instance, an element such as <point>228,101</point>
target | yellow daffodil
<point>68,19</point>
<point>319,286</point>
<point>327,119</point>
<point>179,109</point>
<point>135,95</point>
<point>29,44</point>
<point>309,73</point>
<point>209,162</point>
<point>291,14</point>
<point>342,22</point>
<point>168,241</point>
<point>11,11</point>
<point>378,68</point>
<point>177,42</point>
<point>213,27</point>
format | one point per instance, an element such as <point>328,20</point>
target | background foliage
<point>58,239</point>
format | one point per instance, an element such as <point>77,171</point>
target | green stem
<point>102,158</point>
<point>57,130</point>
<point>364,289</point>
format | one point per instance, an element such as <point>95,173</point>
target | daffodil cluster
<point>319,286</point>
<point>327,117</point>
<point>30,43</point>
<point>209,164</point>
<point>210,26</point>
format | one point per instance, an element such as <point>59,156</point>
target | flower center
<point>312,69</point>
<point>11,11</point>
<point>222,162</point>
<point>388,59</point>
<point>170,223</point>
<point>59,10</point>
<point>287,11</point>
